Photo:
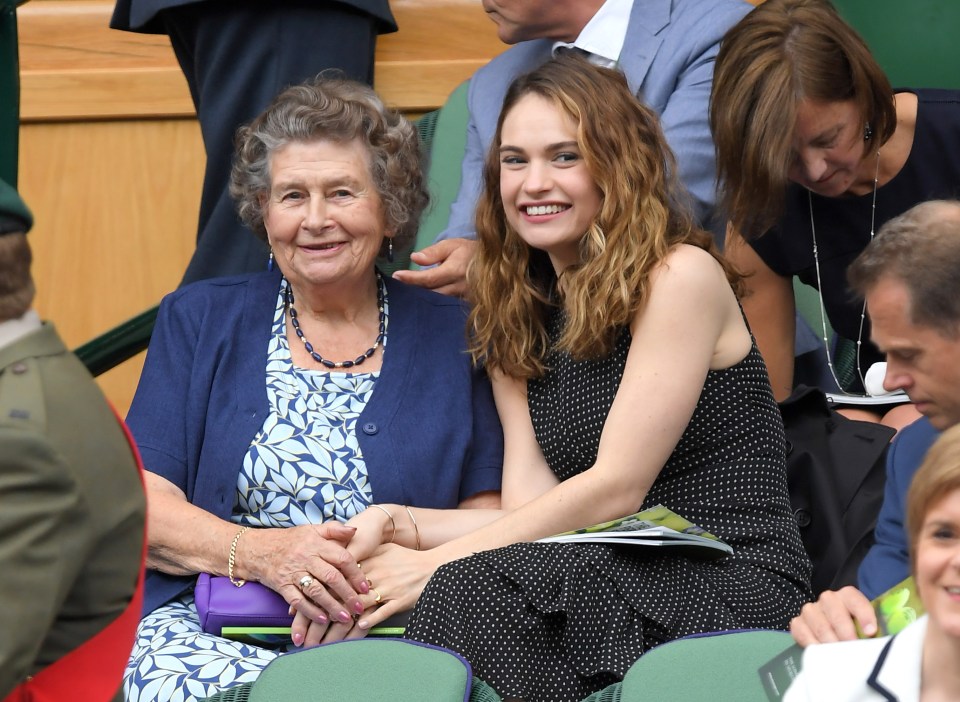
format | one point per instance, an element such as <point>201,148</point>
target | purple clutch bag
<point>220,603</point>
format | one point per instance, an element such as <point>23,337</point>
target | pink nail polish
<point>344,617</point>
<point>364,587</point>
<point>358,607</point>
<point>297,639</point>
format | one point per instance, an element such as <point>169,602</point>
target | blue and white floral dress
<point>303,467</point>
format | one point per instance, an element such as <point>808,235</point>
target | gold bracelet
<point>416,529</point>
<point>393,524</point>
<point>232,559</point>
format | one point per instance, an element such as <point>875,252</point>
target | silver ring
<point>306,581</point>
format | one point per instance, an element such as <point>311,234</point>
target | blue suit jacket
<point>668,60</point>
<point>430,434</point>
<point>888,561</point>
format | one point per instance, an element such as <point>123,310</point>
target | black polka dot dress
<point>559,621</point>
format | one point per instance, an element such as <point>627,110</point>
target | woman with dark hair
<point>815,152</point>
<point>273,407</point>
<point>625,377</point>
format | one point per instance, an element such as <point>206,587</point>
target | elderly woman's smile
<point>323,215</point>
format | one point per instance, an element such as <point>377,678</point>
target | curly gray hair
<point>340,110</point>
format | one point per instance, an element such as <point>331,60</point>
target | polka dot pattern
<point>560,621</point>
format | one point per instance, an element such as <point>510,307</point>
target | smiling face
<point>920,359</point>
<point>828,148</point>
<point>323,214</point>
<point>937,565</point>
<point>549,196</point>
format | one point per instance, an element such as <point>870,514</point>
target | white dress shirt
<point>14,329</point>
<point>603,37</point>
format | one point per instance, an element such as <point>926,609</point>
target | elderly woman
<point>922,662</point>
<point>815,152</point>
<point>275,406</point>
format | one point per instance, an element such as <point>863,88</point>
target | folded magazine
<point>657,526</point>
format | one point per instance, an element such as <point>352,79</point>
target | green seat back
<point>718,667</point>
<point>915,41</point>
<point>446,155</point>
<point>443,140</point>
<point>373,670</point>
<point>807,299</point>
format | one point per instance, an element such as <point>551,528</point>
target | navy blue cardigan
<point>430,434</point>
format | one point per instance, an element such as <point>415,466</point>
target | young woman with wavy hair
<point>641,216</point>
<point>625,377</point>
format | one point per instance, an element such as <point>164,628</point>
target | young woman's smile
<point>549,195</point>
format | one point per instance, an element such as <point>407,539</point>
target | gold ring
<point>377,598</point>
<point>306,581</point>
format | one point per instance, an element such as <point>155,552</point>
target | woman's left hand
<point>397,575</point>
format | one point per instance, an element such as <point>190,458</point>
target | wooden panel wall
<point>111,160</point>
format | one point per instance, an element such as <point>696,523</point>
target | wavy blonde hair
<point>642,216</point>
<point>934,481</point>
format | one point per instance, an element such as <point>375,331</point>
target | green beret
<point>14,215</point>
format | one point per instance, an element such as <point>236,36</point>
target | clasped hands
<point>317,569</point>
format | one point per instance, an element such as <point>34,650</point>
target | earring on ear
<point>390,249</point>
<point>867,132</point>
<point>270,261</point>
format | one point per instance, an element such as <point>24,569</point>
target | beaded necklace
<point>816,264</point>
<point>381,335</point>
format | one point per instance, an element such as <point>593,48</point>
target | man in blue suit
<point>907,275</point>
<point>666,49</point>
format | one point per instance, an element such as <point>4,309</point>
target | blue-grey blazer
<point>668,60</point>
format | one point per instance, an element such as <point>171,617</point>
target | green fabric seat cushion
<point>721,667</point>
<point>391,670</point>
